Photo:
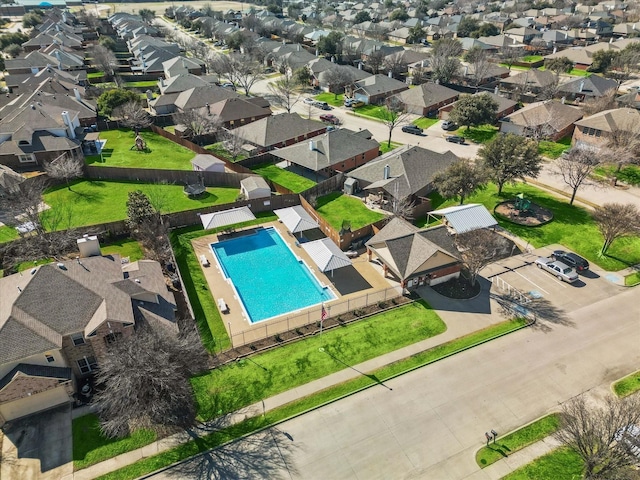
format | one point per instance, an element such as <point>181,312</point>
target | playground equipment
<point>140,144</point>
<point>522,204</point>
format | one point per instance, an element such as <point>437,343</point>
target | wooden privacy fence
<point>310,316</point>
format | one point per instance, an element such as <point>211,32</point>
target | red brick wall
<point>580,136</point>
<point>355,162</point>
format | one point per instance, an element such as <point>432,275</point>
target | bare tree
<point>375,60</point>
<point>395,63</point>
<point>23,203</point>
<point>615,220</point>
<point>510,55</point>
<point>478,248</point>
<point>576,167</point>
<point>65,167</point>
<point>231,143</point>
<point>600,435</point>
<point>444,59</point>
<point>198,122</point>
<point>132,115</point>
<point>149,373</point>
<point>479,60</point>
<point>393,115</point>
<point>403,208</point>
<point>337,78</point>
<point>600,104</point>
<point>623,144</point>
<point>104,59</point>
<point>286,92</point>
<point>240,69</point>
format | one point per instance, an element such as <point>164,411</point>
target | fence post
<point>244,342</point>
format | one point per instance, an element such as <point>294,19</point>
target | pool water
<point>267,276</point>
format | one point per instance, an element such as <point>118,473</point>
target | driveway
<point>38,447</point>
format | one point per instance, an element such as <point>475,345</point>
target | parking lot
<point>519,272</point>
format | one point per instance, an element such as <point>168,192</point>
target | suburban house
<point>182,66</point>
<point>584,88</point>
<point>532,81</point>
<point>180,83</point>
<point>582,57</point>
<point>58,320</point>
<point>543,120</point>
<point>339,150</point>
<point>323,79</point>
<point>37,60</point>
<point>427,98</point>
<point>595,130</point>
<point>375,89</point>
<point>234,112</point>
<point>277,131</point>
<point>506,106</point>
<point>27,82</point>
<point>413,256</point>
<point>403,174</point>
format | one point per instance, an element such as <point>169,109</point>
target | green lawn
<point>287,179</point>
<point>142,84</point>
<point>305,404</point>
<point>514,67</point>
<point>384,148</point>
<point>629,174</point>
<point>331,99</point>
<point>532,58</point>
<point>560,464</point>
<point>505,446</point>
<point>21,267</point>
<point>336,208</point>
<point>372,111</point>
<point>479,134</point>
<point>632,279</point>
<point>579,73</point>
<point>234,386</point>
<point>572,226</point>
<point>554,149</point>
<point>162,153</point>
<point>219,150</point>
<point>95,75</point>
<point>627,385</point>
<point>90,447</point>
<point>125,248</point>
<point>424,122</point>
<point>7,234</point>
<point>94,202</point>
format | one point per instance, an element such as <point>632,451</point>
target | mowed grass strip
<point>337,207</point>
<point>305,404</point>
<point>480,134</point>
<point>632,279</point>
<point>95,202</point>
<point>384,148</point>
<point>331,99</point>
<point>627,385</point>
<point>212,330</point>
<point>517,440</point>
<point>572,226</point>
<point>287,179</point>
<point>425,122</point>
<point>91,447</point>
<point>554,149</point>
<point>234,386</point>
<point>162,153</point>
<point>560,464</point>
<point>7,234</point>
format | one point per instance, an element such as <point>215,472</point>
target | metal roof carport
<point>226,217</point>
<point>326,254</point>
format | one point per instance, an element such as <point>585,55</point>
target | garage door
<point>35,403</point>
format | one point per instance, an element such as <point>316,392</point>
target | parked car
<point>322,105</point>
<point>353,103</point>
<point>328,117</point>
<point>309,101</point>
<point>412,129</point>
<point>228,85</point>
<point>455,139</point>
<point>560,270</point>
<point>571,259</point>
<point>449,125</point>
<point>348,101</point>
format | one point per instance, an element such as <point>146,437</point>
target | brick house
<point>548,120</point>
<point>58,320</point>
<point>506,106</point>
<point>594,131</point>
<point>426,98</point>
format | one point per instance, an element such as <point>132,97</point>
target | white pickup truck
<point>559,269</point>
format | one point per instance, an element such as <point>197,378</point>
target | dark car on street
<point>574,261</point>
<point>412,129</point>
<point>455,139</point>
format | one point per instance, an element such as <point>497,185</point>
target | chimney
<point>496,90</point>
<point>298,47</point>
<point>555,49</point>
<point>284,42</point>
<point>564,99</point>
<point>466,70</point>
<point>333,59</point>
<point>634,27</point>
<point>67,122</point>
<point>77,94</point>
<point>312,146</point>
<point>386,172</point>
<point>89,246</point>
<point>208,109</point>
<point>581,86</point>
<point>390,74</point>
<point>161,81</point>
<point>611,40</point>
<point>359,65</point>
<point>57,55</point>
<point>149,95</point>
<point>421,63</point>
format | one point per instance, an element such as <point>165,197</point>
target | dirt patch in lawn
<point>534,216</point>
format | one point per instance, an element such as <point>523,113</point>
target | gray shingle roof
<point>61,373</point>
<point>18,341</point>
<point>277,129</point>
<point>380,84</point>
<point>427,94</point>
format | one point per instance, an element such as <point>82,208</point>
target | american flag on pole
<point>323,314</point>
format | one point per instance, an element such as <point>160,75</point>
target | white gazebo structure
<point>326,255</point>
<point>226,217</point>
<point>296,219</point>
<point>466,218</point>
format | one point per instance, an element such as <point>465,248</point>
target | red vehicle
<point>328,117</point>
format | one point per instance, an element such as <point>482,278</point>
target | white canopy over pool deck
<point>326,255</point>
<point>226,217</point>
<point>296,219</point>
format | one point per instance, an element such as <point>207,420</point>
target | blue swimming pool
<point>267,276</point>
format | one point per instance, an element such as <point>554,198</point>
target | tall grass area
<point>232,387</point>
<point>212,330</point>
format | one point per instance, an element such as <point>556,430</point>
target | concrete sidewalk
<point>461,318</point>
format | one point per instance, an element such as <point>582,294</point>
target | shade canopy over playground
<point>465,218</point>
<point>226,217</point>
<point>296,219</point>
<point>326,254</point>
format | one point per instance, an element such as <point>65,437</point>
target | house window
<point>112,338</point>
<point>77,338</point>
<point>87,364</point>
<point>30,158</point>
<point>49,357</point>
